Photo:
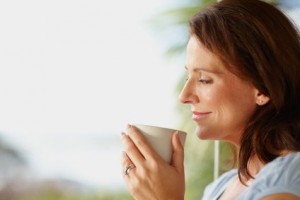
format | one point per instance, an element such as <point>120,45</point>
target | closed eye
<point>204,81</point>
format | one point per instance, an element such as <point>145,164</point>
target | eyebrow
<point>198,69</point>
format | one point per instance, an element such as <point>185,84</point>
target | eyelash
<point>204,81</point>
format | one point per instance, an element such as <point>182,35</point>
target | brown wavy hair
<point>260,44</point>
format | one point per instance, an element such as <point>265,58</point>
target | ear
<point>261,99</point>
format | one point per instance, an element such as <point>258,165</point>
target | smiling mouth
<point>200,115</point>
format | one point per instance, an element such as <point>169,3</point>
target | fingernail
<point>128,126</point>
<point>122,135</point>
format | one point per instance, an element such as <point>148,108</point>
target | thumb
<point>178,152</point>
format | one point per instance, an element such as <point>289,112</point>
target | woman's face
<point>221,102</point>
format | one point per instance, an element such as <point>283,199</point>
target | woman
<point>243,63</point>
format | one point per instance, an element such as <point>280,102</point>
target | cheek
<point>236,107</point>
<point>215,96</point>
<point>229,101</point>
<point>228,104</point>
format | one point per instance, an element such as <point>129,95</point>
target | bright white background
<point>73,73</point>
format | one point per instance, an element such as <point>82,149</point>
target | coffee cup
<point>160,138</point>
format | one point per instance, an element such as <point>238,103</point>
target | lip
<point>199,115</point>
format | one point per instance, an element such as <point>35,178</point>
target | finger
<point>125,159</point>
<point>141,143</point>
<point>127,165</point>
<point>131,150</point>
<point>178,152</point>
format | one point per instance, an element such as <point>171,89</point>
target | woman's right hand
<point>151,177</point>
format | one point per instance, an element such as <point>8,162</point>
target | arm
<point>280,196</point>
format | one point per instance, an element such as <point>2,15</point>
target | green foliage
<point>115,197</point>
<point>58,196</point>
<point>51,193</point>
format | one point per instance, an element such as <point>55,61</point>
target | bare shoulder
<point>280,196</point>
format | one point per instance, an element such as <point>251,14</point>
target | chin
<point>202,134</point>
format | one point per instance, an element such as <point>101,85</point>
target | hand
<point>151,177</point>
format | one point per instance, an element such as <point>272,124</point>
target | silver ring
<point>128,168</point>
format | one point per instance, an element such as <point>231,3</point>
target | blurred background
<point>73,73</point>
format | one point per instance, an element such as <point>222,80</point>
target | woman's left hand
<point>148,175</point>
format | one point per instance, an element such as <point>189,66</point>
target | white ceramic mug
<point>160,139</point>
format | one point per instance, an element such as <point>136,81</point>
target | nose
<point>188,94</point>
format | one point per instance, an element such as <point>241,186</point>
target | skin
<point>221,103</point>
<point>152,178</point>
<point>281,196</point>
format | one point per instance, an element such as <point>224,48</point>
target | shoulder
<point>282,170</point>
<point>282,175</point>
<point>214,189</point>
